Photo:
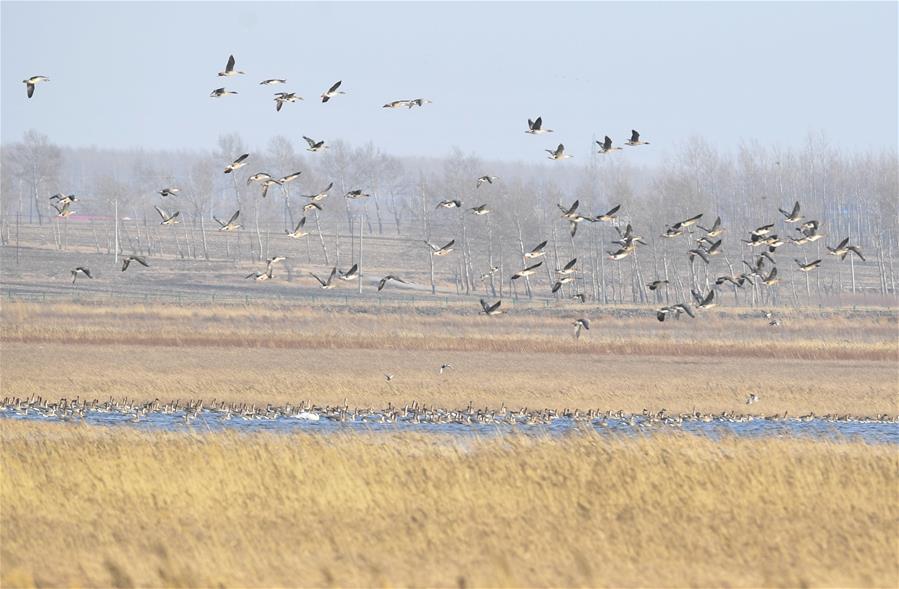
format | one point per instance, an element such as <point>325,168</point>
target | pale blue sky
<point>139,74</point>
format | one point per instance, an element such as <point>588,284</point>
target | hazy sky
<point>140,74</point>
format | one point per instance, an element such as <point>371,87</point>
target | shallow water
<point>864,430</point>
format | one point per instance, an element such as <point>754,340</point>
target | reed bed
<point>99,507</point>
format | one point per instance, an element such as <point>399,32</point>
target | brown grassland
<point>86,506</point>
<point>826,362</point>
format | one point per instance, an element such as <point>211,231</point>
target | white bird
<point>31,82</point>
<point>332,91</point>
<point>635,139</point>
<point>230,225</point>
<point>298,231</point>
<point>229,68</point>
<point>219,92</point>
<point>236,164</point>
<point>444,367</point>
<point>166,218</point>
<point>558,154</point>
<point>272,82</point>
<point>535,127</point>
<point>315,145</point>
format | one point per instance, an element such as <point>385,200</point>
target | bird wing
<point>613,210</point>
<point>310,141</point>
<point>233,217</point>
<point>230,66</point>
<point>30,88</point>
<point>539,247</point>
<point>335,86</point>
<point>570,264</point>
<point>634,136</point>
<point>140,261</point>
<point>537,123</point>
<point>320,281</point>
<point>161,213</point>
<point>241,158</point>
<point>450,244</point>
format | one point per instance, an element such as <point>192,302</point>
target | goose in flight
<point>655,284</point>
<point>332,91</point>
<point>606,146</point>
<point>237,164</point>
<point>63,199</point>
<point>480,210</point>
<point>535,127</point>
<point>736,281</point>
<point>538,251</point>
<point>272,82</point>
<point>570,212</point>
<point>290,177</point>
<point>33,81</point>
<point>763,230</point>
<point>260,276</point>
<point>444,367</point>
<point>169,191</point>
<point>671,232</point>
<point>488,179</point>
<point>127,262</point>
<point>166,218</point>
<point>568,268</point>
<point>558,154</point>
<point>715,230</point>
<point>229,68</point>
<point>230,225</point>
<point>388,376</point>
<point>356,194</point>
<point>771,279</point>
<point>580,324</point>
<point>329,283</point>
<point>753,398</point>
<point>807,267</point>
<point>64,210</point>
<point>219,92</point>
<point>311,206</point>
<point>676,310</point>
<point>315,145</point>
<point>321,194</point>
<point>258,177</point>
<point>579,297</point>
<point>80,270</point>
<point>488,309</point>
<point>399,104</point>
<point>610,216</point>
<point>283,97</point>
<point>528,271</point>
<point>383,282</point>
<point>298,231</point>
<point>351,274</point>
<point>688,222</point>
<point>706,302</point>
<point>441,251</point>
<point>562,280</point>
<point>620,254</point>
<point>843,249</point>
<point>635,139</point>
<point>792,216</point>
<point>449,204</point>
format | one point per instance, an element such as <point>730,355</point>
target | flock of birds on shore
<point>706,246</point>
<point>410,413</point>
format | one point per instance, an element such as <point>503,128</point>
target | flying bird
<point>315,145</point>
<point>538,251</point>
<point>535,127</point>
<point>80,270</point>
<point>236,164</point>
<point>792,216</point>
<point>487,179</point>
<point>606,146</point>
<point>448,204</point>
<point>332,91</point>
<point>127,262</point>
<point>321,194</point>
<point>491,309</point>
<point>169,191</point>
<point>33,81</point>
<point>441,251</point>
<point>298,231</point>
<point>807,267</point>
<point>230,225</point>
<point>655,284</point>
<point>558,154</point>
<point>635,139</point>
<point>351,274</point>
<point>272,82</point>
<point>610,216</point>
<point>219,92</point>
<point>383,282</point>
<point>480,209</point>
<point>527,271</point>
<point>229,68</point>
<point>326,284</point>
<point>580,324</point>
<point>166,218</point>
<point>284,97</point>
<point>356,194</point>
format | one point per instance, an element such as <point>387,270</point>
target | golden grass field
<point>113,507</point>
<point>844,363</point>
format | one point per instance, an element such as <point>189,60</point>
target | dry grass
<point>826,364</point>
<point>98,507</point>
